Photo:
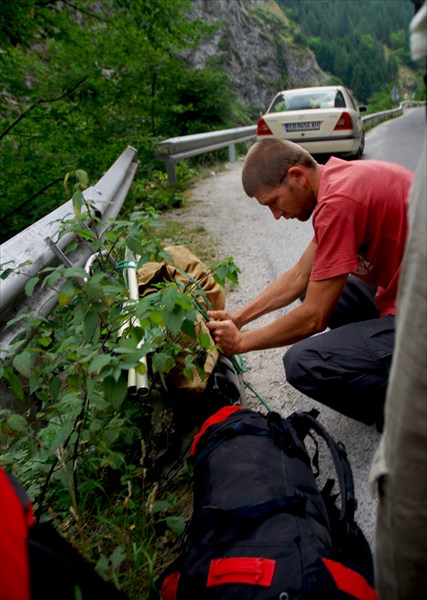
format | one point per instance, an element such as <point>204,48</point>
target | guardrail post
<point>170,170</point>
<point>232,153</point>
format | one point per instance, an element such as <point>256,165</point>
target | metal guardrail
<point>390,114</point>
<point>382,116</point>
<point>177,148</point>
<point>34,244</point>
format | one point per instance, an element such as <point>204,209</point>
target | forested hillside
<point>82,80</point>
<point>361,43</point>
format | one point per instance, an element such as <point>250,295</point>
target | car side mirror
<point>363,108</point>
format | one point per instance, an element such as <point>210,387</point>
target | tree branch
<point>85,12</point>
<point>18,208</point>
<point>41,101</point>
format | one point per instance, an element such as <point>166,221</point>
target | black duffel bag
<point>261,528</point>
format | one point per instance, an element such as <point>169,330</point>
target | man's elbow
<point>316,324</point>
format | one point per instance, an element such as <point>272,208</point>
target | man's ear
<point>296,172</point>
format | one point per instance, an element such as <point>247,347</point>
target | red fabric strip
<point>241,569</point>
<point>350,581</point>
<point>218,417</point>
<point>14,568</point>
<point>170,586</point>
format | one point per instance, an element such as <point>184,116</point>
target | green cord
<point>238,362</point>
<point>125,264</point>
<point>267,406</point>
<point>240,366</point>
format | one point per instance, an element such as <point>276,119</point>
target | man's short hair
<point>268,161</point>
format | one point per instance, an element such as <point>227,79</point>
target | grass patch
<point>194,237</point>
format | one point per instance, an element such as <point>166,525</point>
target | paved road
<point>400,140</point>
<point>263,248</point>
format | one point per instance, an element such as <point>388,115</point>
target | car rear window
<point>307,100</point>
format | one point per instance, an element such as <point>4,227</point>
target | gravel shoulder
<point>263,248</point>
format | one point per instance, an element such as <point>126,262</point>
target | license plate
<point>309,126</point>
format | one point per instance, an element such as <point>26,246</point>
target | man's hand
<point>224,331</point>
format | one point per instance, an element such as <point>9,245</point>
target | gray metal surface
<point>32,244</point>
<point>177,148</point>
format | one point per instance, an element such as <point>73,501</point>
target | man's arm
<point>307,319</point>
<point>282,292</point>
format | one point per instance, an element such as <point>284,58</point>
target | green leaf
<point>82,177</point>
<point>54,387</point>
<point>134,245</point>
<point>114,391</point>
<point>17,422</point>
<point>15,383</point>
<point>75,273</point>
<point>68,288</point>
<point>102,566</point>
<point>117,557</point>
<point>169,297</point>
<point>45,342</point>
<point>66,293</point>
<point>30,285</point>
<point>52,279</point>
<point>188,373</point>
<point>61,436</point>
<point>91,324</point>
<point>162,362</point>
<point>98,402</point>
<point>23,363</point>
<point>78,202</point>
<point>4,274</point>
<point>160,505</point>
<point>99,362</point>
<point>188,327</point>
<point>176,524</point>
<point>226,269</point>
<point>205,341</point>
<point>173,320</point>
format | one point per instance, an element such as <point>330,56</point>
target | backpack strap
<point>286,438</point>
<point>303,422</point>
<point>227,520</point>
<point>292,504</point>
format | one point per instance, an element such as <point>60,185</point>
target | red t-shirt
<point>360,224</point>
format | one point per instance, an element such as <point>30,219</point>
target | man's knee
<point>293,362</point>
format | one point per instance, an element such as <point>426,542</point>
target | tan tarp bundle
<point>184,269</point>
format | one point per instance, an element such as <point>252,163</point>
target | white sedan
<point>324,120</point>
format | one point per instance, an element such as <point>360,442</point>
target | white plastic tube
<point>136,381</point>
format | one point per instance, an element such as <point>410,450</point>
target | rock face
<point>254,43</point>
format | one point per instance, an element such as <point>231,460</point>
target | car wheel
<point>360,149</point>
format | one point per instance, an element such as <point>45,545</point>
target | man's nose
<point>277,213</point>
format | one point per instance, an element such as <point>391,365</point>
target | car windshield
<point>308,99</point>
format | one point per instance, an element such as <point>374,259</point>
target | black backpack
<point>261,528</point>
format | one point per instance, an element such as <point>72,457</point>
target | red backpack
<point>36,563</point>
<point>16,516</point>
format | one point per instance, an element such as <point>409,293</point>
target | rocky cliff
<point>254,43</point>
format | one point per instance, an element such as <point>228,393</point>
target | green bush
<point>84,448</point>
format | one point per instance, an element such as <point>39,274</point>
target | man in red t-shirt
<point>347,276</point>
